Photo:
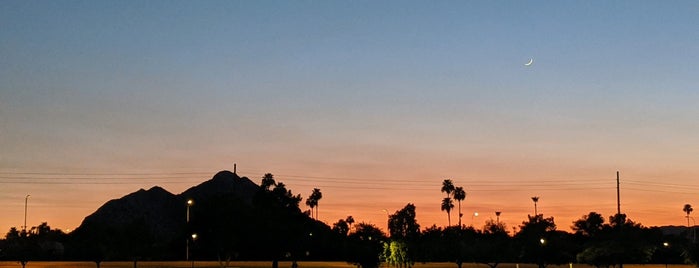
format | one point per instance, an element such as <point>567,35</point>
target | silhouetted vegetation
<point>235,219</point>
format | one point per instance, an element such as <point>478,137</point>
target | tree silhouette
<point>589,225</point>
<point>447,205</point>
<point>687,209</point>
<point>459,195</point>
<point>312,203</point>
<point>267,181</point>
<point>365,246</point>
<point>350,221</point>
<point>317,195</point>
<point>341,227</point>
<point>402,225</point>
<point>447,187</point>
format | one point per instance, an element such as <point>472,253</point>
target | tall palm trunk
<point>460,213</point>
<point>449,217</point>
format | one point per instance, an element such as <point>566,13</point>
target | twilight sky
<point>375,103</point>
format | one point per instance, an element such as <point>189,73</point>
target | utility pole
<point>234,168</point>
<point>618,200</point>
<point>26,199</point>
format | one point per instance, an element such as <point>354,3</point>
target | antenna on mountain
<point>234,169</point>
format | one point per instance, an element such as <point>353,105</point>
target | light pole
<point>497,214</point>
<point>26,200</point>
<point>388,221</point>
<point>666,245</point>
<point>190,202</point>
<point>194,237</point>
<point>473,216</point>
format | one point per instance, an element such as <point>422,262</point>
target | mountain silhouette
<point>162,212</point>
<point>156,208</point>
<point>223,183</point>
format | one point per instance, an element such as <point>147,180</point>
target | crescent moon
<point>529,63</point>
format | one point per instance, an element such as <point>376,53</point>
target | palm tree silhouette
<point>497,214</point>
<point>447,187</point>
<point>311,202</point>
<point>267,181</point>
<point>317,195</point>
<point>350,221</point>
<point>535,199</point>
<point>447,205</point>
<point>459,195</point>
<point>687,209</point>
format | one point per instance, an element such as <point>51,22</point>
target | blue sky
<point>356,89</point>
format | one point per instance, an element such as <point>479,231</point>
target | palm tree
<point>447,205</point>
<point>267,181</point>
<point>350,221</point>
<point>317,195</point>
<point>497,214</point>
<point>459,195</point>
<point>311,202</point>
<point>447,187</point>
<point>687,209</point>
<point>535,199</point>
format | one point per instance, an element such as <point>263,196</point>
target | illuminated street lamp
<point>194,237</point>
<point>666,245</point>
<point>190,202</point>
<point>473,216</point>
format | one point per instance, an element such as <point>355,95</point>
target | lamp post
<point>190,202</point>
<point>26,200</point>
<point>473,216</point>
<point>194,237</point>
<point>388,221</point>
<point>666,245</point>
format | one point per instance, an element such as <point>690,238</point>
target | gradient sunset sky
<point>373,102</point>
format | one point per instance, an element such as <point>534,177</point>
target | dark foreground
<point>182,264</point>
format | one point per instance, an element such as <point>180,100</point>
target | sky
<point>373,102</point>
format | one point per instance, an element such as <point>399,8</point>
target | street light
<point>388,220</point>
<point>666,245</point>
<point>194,237</point>
<point>473,216</point>
<point>26,200</point>
<point>190,202</point>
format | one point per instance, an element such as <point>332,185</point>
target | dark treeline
<point>270,225</point>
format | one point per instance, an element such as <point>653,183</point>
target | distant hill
<point>675,230</point>
<point>156,216</point>
<point>231,215</point>
<point>156,208</point>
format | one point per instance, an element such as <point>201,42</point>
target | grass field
<point>182,264</point>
